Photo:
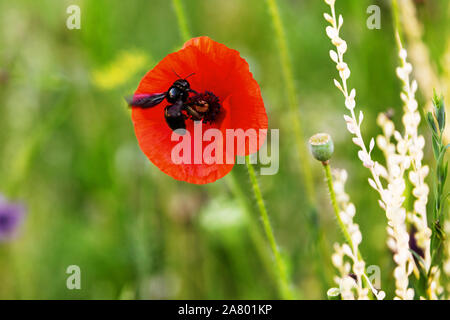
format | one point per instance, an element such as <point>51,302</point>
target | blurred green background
<point>68,150</point>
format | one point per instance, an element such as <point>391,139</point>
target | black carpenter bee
<point>177,95</point>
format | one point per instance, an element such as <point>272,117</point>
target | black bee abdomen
<point>176,123</point>
<point>174,117</point>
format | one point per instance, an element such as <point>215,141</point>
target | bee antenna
<point>176,74</point>
<point>189,75</point>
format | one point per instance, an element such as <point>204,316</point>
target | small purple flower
<point>11,217</point>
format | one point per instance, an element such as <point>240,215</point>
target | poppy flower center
<point>203,106</point>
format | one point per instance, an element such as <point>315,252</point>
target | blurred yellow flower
<point>120,70</point>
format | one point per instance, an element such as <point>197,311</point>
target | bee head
<point>182,84</point>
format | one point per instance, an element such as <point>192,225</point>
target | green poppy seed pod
<point>321,146</point>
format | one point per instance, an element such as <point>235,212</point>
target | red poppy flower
<point>224,84</point>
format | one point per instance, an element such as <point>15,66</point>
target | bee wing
<point>145,100</point>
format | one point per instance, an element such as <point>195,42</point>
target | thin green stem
<point>397,24</point>
<point>255,233</point>
<point>19,170</point>
<point>342,226</point>
<point>281,268</point>
<point>181,17</point>
<point>291,91</point>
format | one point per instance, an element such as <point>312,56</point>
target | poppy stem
<point>342,226</point>
<point>281,268</point>
<point>181,17</point>
<point>255,233</point>
<point>337,211</point>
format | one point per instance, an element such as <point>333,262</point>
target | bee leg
<point>193,113</point>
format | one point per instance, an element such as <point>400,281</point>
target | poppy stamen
<point>203,106</point>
